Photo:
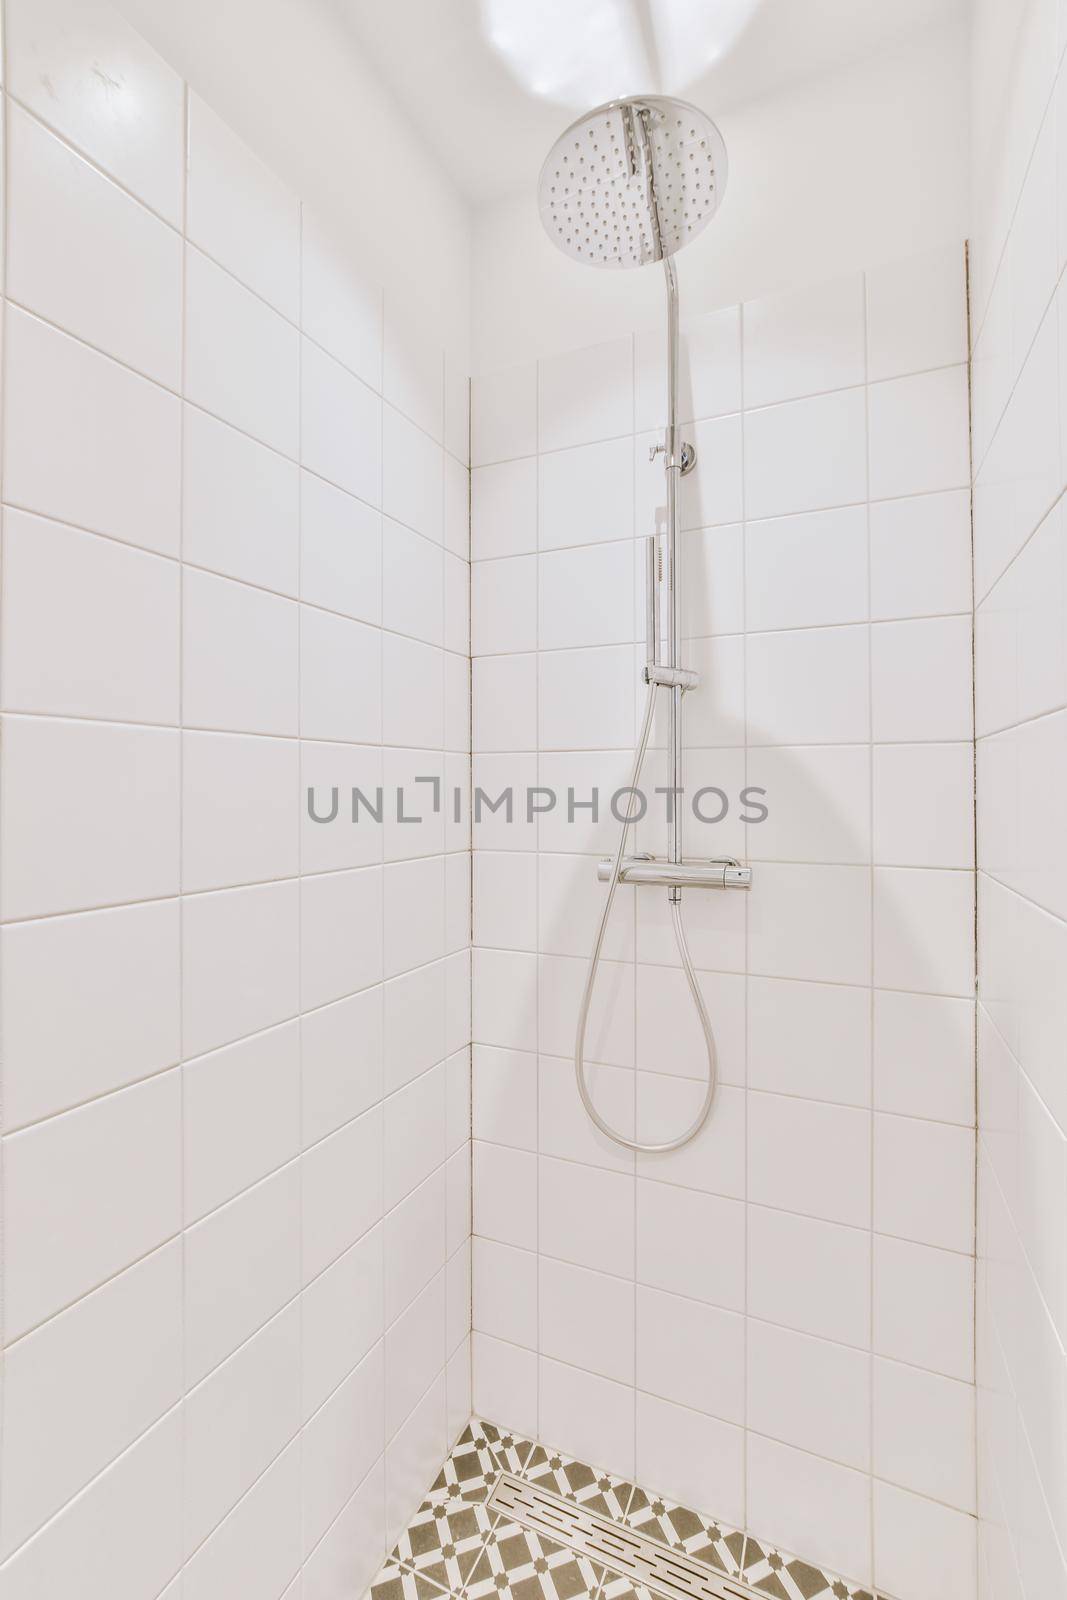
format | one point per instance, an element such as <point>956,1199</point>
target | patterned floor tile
<point>444,1539</point>
<point>786,1577</point>
<point>597,1491</point>
<point>510,1451</point>
<point>518,1564</point>
<point>394,1582</point>
<point>680,1529</point>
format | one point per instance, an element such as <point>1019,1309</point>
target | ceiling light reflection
<point>575,52</point>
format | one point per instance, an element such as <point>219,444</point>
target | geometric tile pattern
<point>456,1547</point>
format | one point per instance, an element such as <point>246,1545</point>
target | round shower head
<point>632,181</point>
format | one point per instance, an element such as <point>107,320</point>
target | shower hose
<point>687,964</point>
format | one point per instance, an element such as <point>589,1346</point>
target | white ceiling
<point>491,111</point>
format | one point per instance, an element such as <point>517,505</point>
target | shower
<point>632,182</point>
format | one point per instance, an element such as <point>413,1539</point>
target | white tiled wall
<point>775,1323</point>
<point>1019,325</point>
<point>235,1042</point>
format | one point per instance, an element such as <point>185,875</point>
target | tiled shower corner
<point>457,1545</point>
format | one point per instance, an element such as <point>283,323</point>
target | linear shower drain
<point>644,1561</point>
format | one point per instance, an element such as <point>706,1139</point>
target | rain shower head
<point>632,181</point>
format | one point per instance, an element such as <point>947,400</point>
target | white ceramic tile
<point>817,800</point>
<point>239,657</point>
<point>353,1547</point>
<point>342,1191</point>
<point>807,571</point>
<point>922,1549</point>
<point>415,823</point>
<point>412,476</point>
<point>339,1446</point>
<point>340,425</point>
<point>924,1056</point>
<point>341,1072</point>
<point>84,1386</point>
<point>712,588</point>
<point>413,370</point>
<point>77,847</point>
<point>921,555</point>
<point>504,508</point>
<point>92,1004</point>
<point>505,1195</point>
<point>710,494</point>
<point>354,837</point>
<point>610,1033</point>
<point>412,699</point>
<point>806,455</point>
<point>221,1161</point>
<point>504,415</point>
<point>924,1181</point>
<point>923,1307</point>
<point>586,1216</point>
<point>242,360</point>
<point>586,1413</point>
<point>504,605</point>
<point>921,679</point>
<point>919,434</point>
<point>67,1182</point>
<point>810,1039</point>
<point>414,1023</point>
<point>239,962</point>
<point>412,583</point>
<point>505,1383</point>
<point>341,308</point>
<point>586,597</point>
<point>713,1162</point>
<point>923,805</point>
<point>340,678</point>
<point>412,1457</point>
<point>808,686</point>
<point>414,1353</point>
<point>414,1143</point>
<point>810,1158</point>
<point>912,1406</point>
<point>709,369</point>
<point>102,644</point>
<point>504,703</point>
<point>122,1535</point>
<point>690,1353</point>
<point>917,313</point>
<point>239,810</point>
<point>505,899</point>
<point>923,930</point>
<point>456,515</point>
<point>64,61</point>
<point>238,1420</point>
<point>242,1265</point>
<point>586,395</point>
<point>587,1320</point>
<point>586,698</point>
<point>811,922</point>
<point>343,1318</point>
<point>585,495</point>
<point>690,1244</point>
<point>122,290</point>
<point>457,599</point>
<point>804,341</point>
<point>809,1275</point>
<point>414,920</point>
<point>796,1499</point>
<point>809,1393</point>
<point>240,213</point>
<point>562,1125</point>
<point>340,550</point>
<point>71,406</point>
<point>257,1544</point>
<point>340,934</point>
<point>668,1038</point>
<point>241,506</point>
<point>505,1292</point>
<point>692,1459</point>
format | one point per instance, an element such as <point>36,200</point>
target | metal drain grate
<point>645,1561</point>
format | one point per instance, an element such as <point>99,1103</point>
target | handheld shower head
<point>632,181</point>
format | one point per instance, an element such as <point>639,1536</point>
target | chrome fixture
<point>630,183</point>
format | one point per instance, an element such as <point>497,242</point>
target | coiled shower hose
<point>687,964</point>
